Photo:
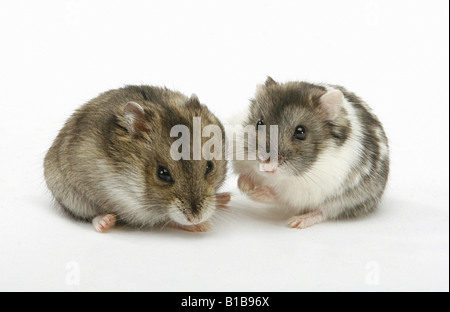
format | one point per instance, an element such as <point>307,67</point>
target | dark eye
<point>300,133</point>
<point>209,166</point>
<point>260,122</point>
<point>164,174</point>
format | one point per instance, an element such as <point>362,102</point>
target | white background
<point>56,55</point>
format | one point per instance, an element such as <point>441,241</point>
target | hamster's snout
<point>191,213</point>
<point>271,164</point>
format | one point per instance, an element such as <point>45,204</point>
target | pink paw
<point>202,227</point>
<point>245,183</point>
<point>262,194</point>
<point>104,222</point>
<point>222,199</point>
<point>306,220</point>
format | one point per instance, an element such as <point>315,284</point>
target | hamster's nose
<point>194,220</point>
<point>269,167</point>
<point>192,211</point>
<point>195,207</point>
<point>279,160</point>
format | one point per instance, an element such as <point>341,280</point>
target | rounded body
<point>333,155</point>
<point>107,159</point>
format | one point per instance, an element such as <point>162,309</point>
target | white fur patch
<point>176,215</point>
<point>124,192</point>
<point>328,173</point>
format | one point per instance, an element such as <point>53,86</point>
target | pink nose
<point>268,167</point>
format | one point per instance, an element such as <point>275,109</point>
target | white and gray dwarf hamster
<point>333,154</point>
<point>111,162</point>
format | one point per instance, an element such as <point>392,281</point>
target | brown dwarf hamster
<point>112,162</point>
<point>333,155</point>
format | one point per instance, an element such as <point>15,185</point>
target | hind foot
<point>103,223</point>
<point>306,220</point>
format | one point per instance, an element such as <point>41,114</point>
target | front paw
<point>262,194</point>
<point>245,183</point>
<point>222,199</point>
<point>202,227</point>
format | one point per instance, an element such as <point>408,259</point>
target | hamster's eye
<point>260,122</point>
<point>164,174</point>
<point>300,133</point>
<point>209,166</point>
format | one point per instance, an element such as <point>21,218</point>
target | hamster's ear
<point>331,104</point>
<point>193,102</point>
<point>135,117</point>
<point>270,82</point>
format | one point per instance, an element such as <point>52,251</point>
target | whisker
<point>166,224</point>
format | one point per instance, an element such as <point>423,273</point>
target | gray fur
<point>298,103</point>
<point>100,164</point>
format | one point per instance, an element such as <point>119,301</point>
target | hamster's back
<point>84,150</point>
